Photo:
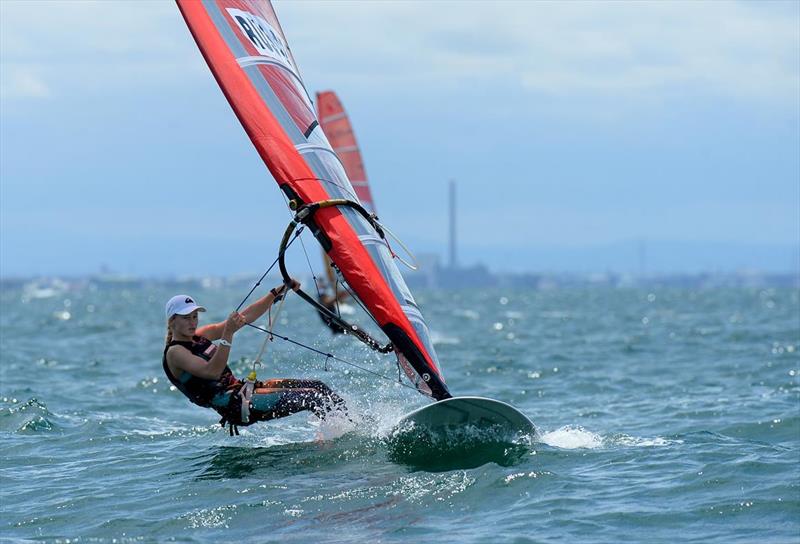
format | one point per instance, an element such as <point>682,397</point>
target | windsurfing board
<point>478,412</point>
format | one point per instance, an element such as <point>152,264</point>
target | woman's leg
<point>292,383</point>
<point>280,398</point>
<point>315,385</point>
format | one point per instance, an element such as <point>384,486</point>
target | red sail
<point>336,126</point>
<point>246,50</point>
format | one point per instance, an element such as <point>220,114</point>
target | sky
<point>578,133</point>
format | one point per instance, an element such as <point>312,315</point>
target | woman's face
<point>184,325</point>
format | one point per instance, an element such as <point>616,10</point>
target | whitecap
<point>574,437</point>
<point>554,314</point>
<point>439,339</point>
<point>570,438</point>
<point>636,442</point>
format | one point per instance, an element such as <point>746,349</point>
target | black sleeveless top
<point>199,390</point>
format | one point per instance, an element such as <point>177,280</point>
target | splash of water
<point>27,416</point>
<point>571,437</point>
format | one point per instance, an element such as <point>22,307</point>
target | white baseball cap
<point>182,305</point>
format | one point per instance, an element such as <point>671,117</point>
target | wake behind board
<point>461,432</point>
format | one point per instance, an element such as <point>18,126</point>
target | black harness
<point>201,390</point>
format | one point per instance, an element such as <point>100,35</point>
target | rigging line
<point>346,287</point>
<point>303,214</point>
<point>336,294</point>
<point>372,219</point>
<point>268,338</point>
<point>302,243</point>
<point>390,234</point>
<point>332,356</point>
<point>264,275</point>
<point>311,268</point>
<point>349,292</point>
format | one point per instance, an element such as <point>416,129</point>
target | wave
<point>440,339</point>
<point>572,437</point>
<point>30,416</point>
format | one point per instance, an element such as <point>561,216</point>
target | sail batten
<point>247,52</point>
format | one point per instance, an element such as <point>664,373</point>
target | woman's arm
<point>214,331</point>
<point>211,369</point>
<point>186,361</point>
<point>259,307</point>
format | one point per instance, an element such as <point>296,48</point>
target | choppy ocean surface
<point>663,415</point>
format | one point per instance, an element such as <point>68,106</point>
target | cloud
<point>631,49</point>
<point>22,82</point>
<point>740,50</point>
<point>59,30</point>
<point>69,49</point>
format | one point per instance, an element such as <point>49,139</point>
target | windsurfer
<point>199,368</point>
<point>330,299</point>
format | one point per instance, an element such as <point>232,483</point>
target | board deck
<point>477,412</point>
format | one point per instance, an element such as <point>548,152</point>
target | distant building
<point>432,275</point>
<point>425,274</point>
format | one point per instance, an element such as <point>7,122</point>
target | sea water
<point>662,415</point>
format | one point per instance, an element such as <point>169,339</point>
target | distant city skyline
<point>238,259</point>
<point>573,130</point>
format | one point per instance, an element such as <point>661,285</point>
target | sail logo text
<point>260,33</point>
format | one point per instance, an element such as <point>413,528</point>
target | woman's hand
<point>279,291</point>
<point>234,322</point>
